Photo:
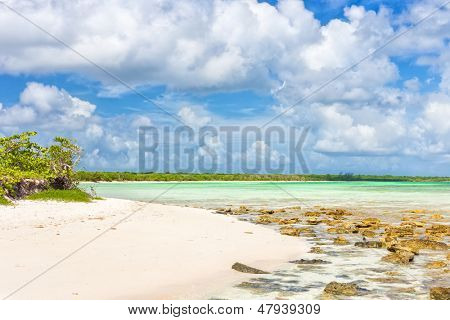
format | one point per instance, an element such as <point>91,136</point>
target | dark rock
<point>246,269</point>
<point>28,186</point>
<point>62,183</point>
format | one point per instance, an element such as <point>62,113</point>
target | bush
<point>22,160</point>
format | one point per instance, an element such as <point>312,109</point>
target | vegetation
<point>72,195</point>
<point>130,176</point>
<point>4,201</point>
<point>26,166</point>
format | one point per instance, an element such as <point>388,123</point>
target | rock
<point>345,228</point>
<point>27,187</point>
<point>368,222</point>
<point>345,289</point>
<point>438,230</point>
<point>368,233</point>
<point>266,211</point>
<point>415,245</point>
<point>399,231</point>
<point>369,244</point>
<point>436,265</point>
<point>267,219</point>
<point>224,210</point>
<point>399,257</point>
<point>393,273</point>
<point>388,280</point>
<point>405,290</point>
<point>313,221</point>
<point>317,250</point>
<point>246,269</point>
<point>313,214</point>
<point>241,210</point>
<point>290,231</point>
<point>295,232</point>
<point>437,216</point>
<point>310,261</point>
<point>289,221</point>
<point>281,210</point>
<point>340,241</point>
<point>440,293</point>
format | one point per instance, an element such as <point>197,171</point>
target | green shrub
<point>21,158</point>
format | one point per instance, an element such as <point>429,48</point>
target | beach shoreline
<point>122,249</point>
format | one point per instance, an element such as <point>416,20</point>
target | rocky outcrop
<point>440,293</point>
<point>317,250</point>
<point>415,245</point>
<point>344,289</point>
<point>28,186</point>
<point>340,241</point>
<point>369,244</point>
<point>436,264</point>
<point>246,269</point>
<point>399,257</point>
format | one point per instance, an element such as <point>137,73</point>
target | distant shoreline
<point>221,177</point>
<point>248,181</point>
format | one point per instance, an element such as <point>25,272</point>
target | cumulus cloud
<point>108,142</point>
<point>224,46</point>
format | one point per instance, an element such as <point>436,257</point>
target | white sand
<point>160,252</point>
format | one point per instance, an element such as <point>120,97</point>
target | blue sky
<point>235,63</point>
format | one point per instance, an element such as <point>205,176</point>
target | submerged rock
<point>340,241</point>
<point>440,293</point>
<point>313,221</point>
<point>369,244</point>
<point>399,231</point>
<point>438,230</point>
<point>246,269</point>
<point>317,250</point>
<point>289,221</point>
<point>267,219</point>
<point>415,245</point>
<point>295,232</point>
<point>313,214</point>
<point>266,211</point>
<point>436,265</point>
<point>310,261</point>
<point>345,289</point>
<point>399,257</point>
<point>388,280</point>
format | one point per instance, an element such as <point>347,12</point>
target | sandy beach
<point>159,252</point>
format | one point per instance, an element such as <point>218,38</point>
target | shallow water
<point>362,195</point>
<point>387,200</point>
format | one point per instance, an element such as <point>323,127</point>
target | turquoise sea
<point>364,195</point>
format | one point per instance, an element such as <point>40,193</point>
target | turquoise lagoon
<point>362,195</point>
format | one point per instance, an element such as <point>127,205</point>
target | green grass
<point>4,202</point>
<point>74,195</point>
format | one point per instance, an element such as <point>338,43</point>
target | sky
<point>234,63</point>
